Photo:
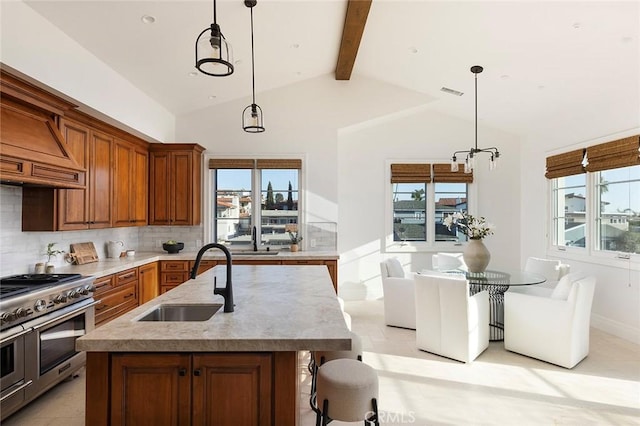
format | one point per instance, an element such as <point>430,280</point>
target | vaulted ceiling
<point>546,64</point>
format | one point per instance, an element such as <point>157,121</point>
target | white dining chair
<point>554,329</point>
<point>399,295</point>
<point>449,322</point>
<point>551,269</point>
<point>447,261</point>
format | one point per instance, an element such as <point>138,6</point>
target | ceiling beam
<point>354,22</point>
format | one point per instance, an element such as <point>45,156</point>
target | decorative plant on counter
<point>474,228</point>
<point>51,252</point>
<point>295,237</point>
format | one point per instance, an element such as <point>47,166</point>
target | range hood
<point>32,149</point>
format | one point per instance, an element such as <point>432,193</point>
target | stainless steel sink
<point>182,312</point>
<point>255,253</point>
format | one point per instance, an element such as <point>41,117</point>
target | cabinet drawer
<point>303,262</point>
<point>117,302</point>
<point>103,284</point>
<point>127,276</point>
<point>174,277</point>
<point>175,265</point>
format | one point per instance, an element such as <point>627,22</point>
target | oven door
<point>12,381</point>
<point>51,354</point>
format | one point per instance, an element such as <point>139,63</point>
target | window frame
<point>209,187</point>
<point>430,245</point>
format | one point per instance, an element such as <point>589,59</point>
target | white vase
<point>476,255</point>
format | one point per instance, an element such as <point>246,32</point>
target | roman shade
<point>566,164</point>
<point>443,173</point>
<point>231,163</point>
<point>279,164</point>
<point>410,173</point>
<point>612,155</point>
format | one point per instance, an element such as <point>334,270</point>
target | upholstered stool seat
<point>321,357</point>
<point>347,391</point>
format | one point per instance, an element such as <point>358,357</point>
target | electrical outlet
<point>198,243</point>
<point>158,243</point>
<point>312,242</point>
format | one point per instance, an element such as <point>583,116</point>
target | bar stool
<point>321,357</point>
<point>348,391</point>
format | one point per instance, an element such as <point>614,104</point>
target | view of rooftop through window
<point>265,198</point>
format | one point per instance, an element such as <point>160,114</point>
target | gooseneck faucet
<point>254,238</point>
<point>226,292</point>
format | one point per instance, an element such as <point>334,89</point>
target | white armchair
<point>449,322</point>
<point>399,295</point>
<point>447,262</point>
<point>552,270</point>
<point>554,329</point>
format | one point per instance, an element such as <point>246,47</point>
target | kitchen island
<point>237,368</point>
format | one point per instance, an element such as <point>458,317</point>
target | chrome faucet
<point>254,238</point>
<point>227,291</point>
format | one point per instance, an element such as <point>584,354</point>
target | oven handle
<point>18,389</point>
<point>14,336</point>
<point>67,315</point>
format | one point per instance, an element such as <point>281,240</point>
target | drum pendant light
<point>252,115</point>
<point>214,56</point>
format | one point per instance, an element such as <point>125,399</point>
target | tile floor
<point>417,388</point>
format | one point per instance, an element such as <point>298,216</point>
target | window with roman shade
<point>565,164</point>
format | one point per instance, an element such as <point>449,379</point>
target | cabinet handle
<point>182,372</point>
<point>129,295</point>
<point>196,372</point>
<point>101,307</point>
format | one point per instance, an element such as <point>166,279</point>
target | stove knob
<point>7,317</point>
<point>22,312</point>
<point>62,298</point>
<point>83,291</point>
<point>89,288</point>
<point>73,294</point>
<point>40,305</point>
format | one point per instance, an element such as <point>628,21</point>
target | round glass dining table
<point>497,283</point>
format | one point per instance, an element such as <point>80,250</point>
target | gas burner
<point>36,279</point>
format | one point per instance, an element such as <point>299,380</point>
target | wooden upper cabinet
<point>175,184</point>
<point>130,184</point>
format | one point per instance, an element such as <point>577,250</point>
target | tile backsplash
<point>20,251</point>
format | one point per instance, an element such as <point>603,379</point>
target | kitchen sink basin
<point>182,312</point>
<point>254,253</point>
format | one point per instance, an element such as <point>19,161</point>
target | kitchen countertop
<point>108,266</point>
<point>277,308</point>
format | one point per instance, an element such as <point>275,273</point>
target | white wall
<point>33,46</point>
<point>418,135</point>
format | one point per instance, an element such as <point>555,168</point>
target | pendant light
<point>214,56</point>
<point>252,115</point>
<point>469,160</point>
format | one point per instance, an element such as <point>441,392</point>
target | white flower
<point>472,227</point>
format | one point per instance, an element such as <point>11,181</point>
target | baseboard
<point>618,329</point>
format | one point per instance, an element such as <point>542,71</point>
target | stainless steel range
<point>41,316</point>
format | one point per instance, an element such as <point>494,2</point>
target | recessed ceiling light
<point>413,50</point>
<point>451,91</point>
<point>541,87</point>
<point>627,39</point>
<point>148,19</point>
<point>504,77</point>
<point>212,96</point>
<point>193,74</point>
<point>577,25</point>
<point>295,45</point>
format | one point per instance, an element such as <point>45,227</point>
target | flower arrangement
<point>472,227</point>
<point>295,237</point>
<point>51,252</point>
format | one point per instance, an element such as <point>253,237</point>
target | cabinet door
<point>148,282</point>
<point>73,204</point>
<point>140,190</point>
<point>232,389</point>
<point>100,191</point>
<point>159,202</point>
<point>150,389</point>
<point>181,188</point>
<point>123,165</point>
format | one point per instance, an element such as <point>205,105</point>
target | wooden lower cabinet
<point>118,294</point>
<point>148,282</point>
<point>204,389</point>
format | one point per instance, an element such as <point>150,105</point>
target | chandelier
<point>470,154</point>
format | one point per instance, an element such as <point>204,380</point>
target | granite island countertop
<point>277,308</point>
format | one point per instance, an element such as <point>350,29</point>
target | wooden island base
<point>199,388</point>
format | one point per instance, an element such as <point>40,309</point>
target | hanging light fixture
<point>214,56</point>
<point>470,154</point>
<point>252,115</point>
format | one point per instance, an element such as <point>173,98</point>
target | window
<point>264,194</point>
<point>618,209</point>
<point>422,195</point>
<point>595,195</point>
<point>569,211</point>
